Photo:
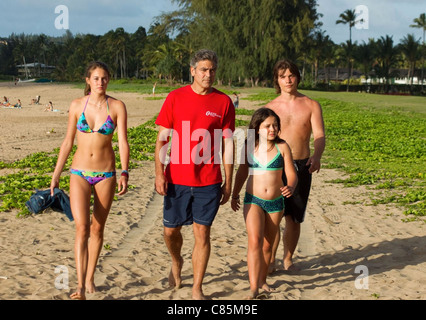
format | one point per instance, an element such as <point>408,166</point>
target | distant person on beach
<point>5,102</point>
<point>18,104</point>
<point>265,158</point>
<point>153,89</point>
<point>236,101</point>
<point>203,120</point>
<point>93,119</point>
<point>36,100</point>
<point>49,106</point>
<point>300,117</point>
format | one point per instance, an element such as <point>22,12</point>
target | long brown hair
<point>92,66</point>
<point>282,66</point>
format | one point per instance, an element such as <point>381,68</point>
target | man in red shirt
<point>200,121</point>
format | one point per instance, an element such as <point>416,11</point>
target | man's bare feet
<point>267,288</point>
<point>257,296</point>
<point>197,294</point>
<point>290,267</point>
<point>175,279</point>
<point>90,287</point>
<point>252,295</point>
<point>271,268</point>
<point>79,294</point>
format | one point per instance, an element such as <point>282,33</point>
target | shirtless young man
<point>300,117</point>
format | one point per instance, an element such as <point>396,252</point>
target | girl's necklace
<point>99,104</point>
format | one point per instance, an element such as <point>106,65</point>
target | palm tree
<point>120,41</point>
<point>339,59</point>
<point>348,17</point>
<point>165,60</point>
<point>420,22</point>
<point>387,58</point>
<point>328,56</point>
<point>320,42</point>
<point>410,49</point>
<point>348,54</point>
<point>365,56</point>
<point>137,45</point>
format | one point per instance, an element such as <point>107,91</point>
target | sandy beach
<point>343,239</point>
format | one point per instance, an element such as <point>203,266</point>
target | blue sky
<point>385,17</point>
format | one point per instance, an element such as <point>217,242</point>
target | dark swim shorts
<point>295,206</point>
<point>184,205</point>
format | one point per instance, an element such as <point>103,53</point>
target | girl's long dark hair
<point>258,117</point>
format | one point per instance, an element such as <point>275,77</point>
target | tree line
<point>249,37</point>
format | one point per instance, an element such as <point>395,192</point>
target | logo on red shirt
<point>213,114</point>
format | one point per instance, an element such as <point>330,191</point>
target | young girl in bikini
<point>92,120</point>
<point>264,156</point>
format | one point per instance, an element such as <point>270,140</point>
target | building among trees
<point>35,70</point>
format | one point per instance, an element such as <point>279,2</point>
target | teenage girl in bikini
<point>265,158</point>
<point>93,119</point>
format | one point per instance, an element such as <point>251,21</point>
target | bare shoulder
<point>283,147</point>
<point>115,102</point>
<point>79,101</point>
<point>274,103</point>
<point>309,101</point>
<point>77,105</point>
<point>116,106</point>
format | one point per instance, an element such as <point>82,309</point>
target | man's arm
<point>318,132</point>
<point>160,160</point>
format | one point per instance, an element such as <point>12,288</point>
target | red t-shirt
<point>199,123</point>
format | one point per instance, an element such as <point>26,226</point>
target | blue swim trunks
<point>184,205</point>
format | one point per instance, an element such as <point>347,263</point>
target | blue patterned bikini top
<point>277,163</point>
<point>107,128</point>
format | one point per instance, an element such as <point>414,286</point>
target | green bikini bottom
<point>269,206</point>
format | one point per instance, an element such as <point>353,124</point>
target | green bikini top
<point>277,163</point>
